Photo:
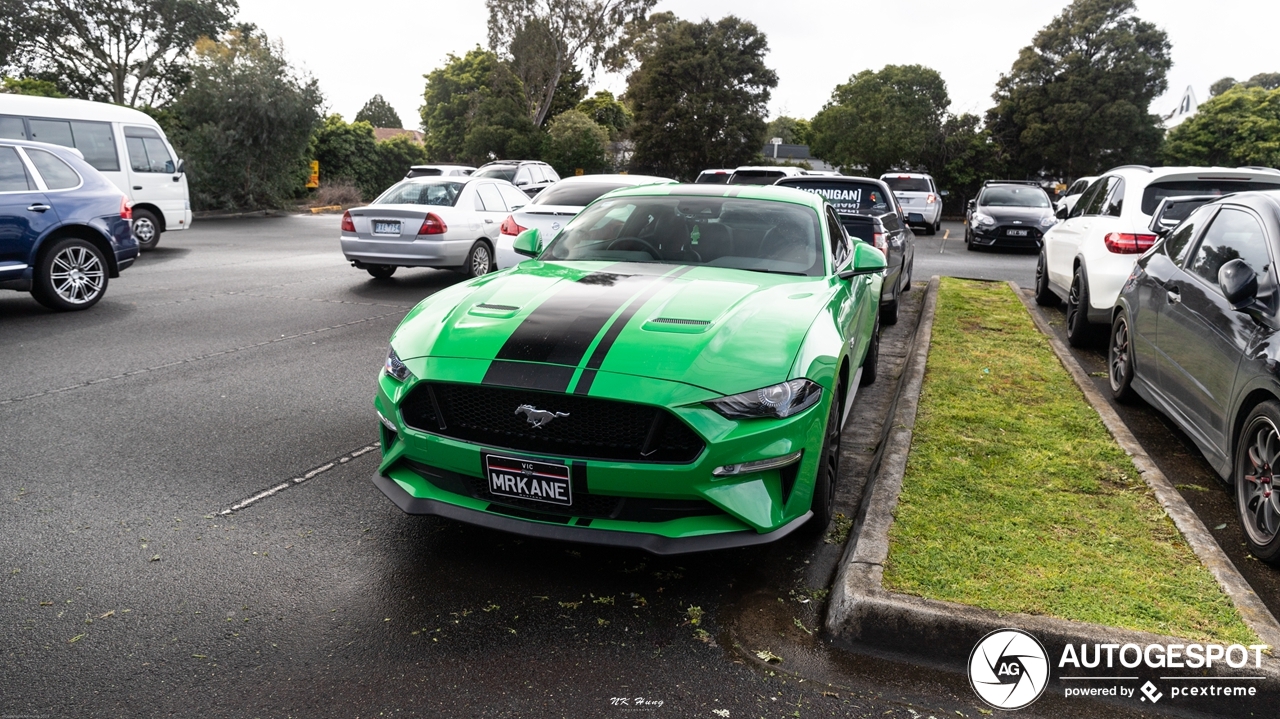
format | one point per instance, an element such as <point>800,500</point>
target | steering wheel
<point>653,251</point>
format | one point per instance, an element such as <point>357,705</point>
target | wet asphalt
<point>241,356</point>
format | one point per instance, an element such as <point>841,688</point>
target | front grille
<point>583,428</point>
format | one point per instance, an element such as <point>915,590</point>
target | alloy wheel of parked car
<point>828,474</point>
<point>1256,496</point>
<point>1120,359</point>
<point>71,276</point>
<point>1077,307</point>
<point>479,260</point>
<point>146,229</point>
<point>1045,297</point>
<point>380,272</point>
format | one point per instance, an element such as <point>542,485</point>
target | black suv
<point>529,175</point>
<point>1008,213</point>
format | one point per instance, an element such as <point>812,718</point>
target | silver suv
<point>919,197</point>
<point>529,175</point>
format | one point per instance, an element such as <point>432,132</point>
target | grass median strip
<point>1017,499</point>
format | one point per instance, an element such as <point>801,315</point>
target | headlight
<point>779,400</point>
<point>1048,221</point>
<point>395,367</point>
<point>983,220</point>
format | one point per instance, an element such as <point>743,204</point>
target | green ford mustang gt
<point>671,373</point>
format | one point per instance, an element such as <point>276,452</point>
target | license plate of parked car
<point>1017,233</point>
<point>386,228</point>
<point>526,479</point>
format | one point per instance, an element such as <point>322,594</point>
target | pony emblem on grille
<point>539,418</point>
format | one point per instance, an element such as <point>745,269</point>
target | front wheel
<point>1120,359</point>
<point>1044,295</point>
<point>1078,329</point>
<point>146,230</point>
<point>72,275</point>
<point>828,475</point>
<point>479,260</point>
<point>1256,497</point>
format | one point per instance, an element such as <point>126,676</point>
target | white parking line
<point>272,491</point>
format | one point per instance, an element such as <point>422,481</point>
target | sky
<point>386,46</point>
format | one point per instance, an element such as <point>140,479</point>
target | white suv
<point>1087,257</point>
<point>918,195</point>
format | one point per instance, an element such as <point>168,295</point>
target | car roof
<point>438,164</point>
<point>769,193</point>
<point>513,162</point>
<point>630,179</point>
<point>826,179</point>
<point>1152,174</point>
<point>913,175</point>
<point>71,109</point>
<point>770,168</point>
<point>43,146</point>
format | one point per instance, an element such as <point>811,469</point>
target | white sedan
<point>449,222</point>
<point>556,205</point>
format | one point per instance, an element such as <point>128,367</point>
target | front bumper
<point>998,236</point>
<point>563,531</point>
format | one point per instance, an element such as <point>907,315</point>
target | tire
<point>1257,501</point>
<point>937,226</point>
<point>968,242</point>
<point>1044,296</point>
<point>929,230</point>
<point>479,260</point>
<point>872,360</point>
<point>1079,331</point>
<point>146,230</point>
<point>71,276</point>
<point>828,474</point>
<point>380,272</point>
<point>1120,359</point>
<point>889,311</point>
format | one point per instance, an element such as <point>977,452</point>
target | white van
<point>122,143</point>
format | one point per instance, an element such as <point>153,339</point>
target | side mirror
<point>970,205</point>
<point>867,260</point>
<point>521,183</point>
<point>1239,283</point>
<point>943,193</point>
<point>528,243</point>
<point>1061,214</point>
<point>182,167</point>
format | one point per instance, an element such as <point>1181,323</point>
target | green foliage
<point>575,141</point>
<point>1221,86</point>
<point>1239,127</point>
<point>379,113</point>
<point>130,52</point>
<point>346,152</point>
<point>1264,80</point>
<point>961,158</point>
<point>881,120</point>
<point>1076,100</point>
<point>30,86</point>
<point>607,112</point>
<point>393,159</point>
<point>244,123</point>
<point>475,111</point>
<point>793,131</point>
<point>699,97</point>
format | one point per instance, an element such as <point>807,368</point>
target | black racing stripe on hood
<point>606,343</point>
<point>529,375</point>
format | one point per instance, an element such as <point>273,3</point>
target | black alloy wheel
<point>1045,297</point>
<point>380,272</point>
<point>828,474</point>
<point>1256,496</point>
<point>1078,329</point>
<point>1120,359</point>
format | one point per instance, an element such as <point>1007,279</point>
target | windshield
<point>1155,192</point>
<point>712,231</point>
<point>501,172</point>
<point>755,177</point>
<point>907,184</point>
<point>576,194</point>
<point>1013,197</point>
<point>847,197</point>
<point>420,192</point>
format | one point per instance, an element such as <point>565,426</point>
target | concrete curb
<point>862,615</point>
<point>216,215</point>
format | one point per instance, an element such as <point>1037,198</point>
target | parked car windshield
<point>1013,197</point>
<point>715,232</point>
<point>500,172</point>
<point>576,194</point>
<point>847,197</point>
<point>907,184</point>
<point>1157,191</point>
<point>424,191</point>
<point>755,177</point>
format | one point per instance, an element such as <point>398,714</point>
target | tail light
<point>433,225</point>
<point>347,224</point>
<point>1128,243</point>
<point>879,242</point>
<point>932,198</point>
<point>126,209</point>
<point>511,227</point>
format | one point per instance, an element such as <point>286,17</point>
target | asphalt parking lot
<point>240,356</point>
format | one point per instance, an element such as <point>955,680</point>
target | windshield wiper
<point>773,272</point>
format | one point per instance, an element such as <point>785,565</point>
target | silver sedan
<point>450,222</point>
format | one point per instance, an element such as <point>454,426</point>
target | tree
<point>346,152</point>
<point>30,86</point>
<point>1239,127</point>
<point>607,112</point>
<point>129,52</point>
<point>244,123</point>
<point>379,113</point>
<point>1221,86</point>
<point>576,142</point>
<point>474,111</point>
<point>1077,99</point>
<point>552,36</point>
<point>792,131</point>
<point>1264,80</point>
<point>393,159</point>
<point>700,96</point>
<point>881,120</point>
<point>16,25</point>
<point>961,158</point>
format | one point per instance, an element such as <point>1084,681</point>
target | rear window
<point>576,194</point>
<point>501,172</point>
<point>755,177</point>
<point>1157,191</point>
<point>712,178</point>
<point>908,184</point>
<point>57,174</point>
<point>847,197</point>
<point>411,192</point>
<point>424,172</point>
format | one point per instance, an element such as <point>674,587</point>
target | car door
<point>1062,242</point>
<point>1202,336</point>
<point>852,302</point>
<point>25,213</point>
<point>1151,294</point>
<point>491,208</point>
<point>153,174</point>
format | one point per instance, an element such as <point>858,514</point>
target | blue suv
<point>64,228</point>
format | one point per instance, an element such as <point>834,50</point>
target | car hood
<point>1027,215</point>
<point>551,326</point>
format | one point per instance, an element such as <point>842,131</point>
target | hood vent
<point>500,308</point>
<point>678,321</point>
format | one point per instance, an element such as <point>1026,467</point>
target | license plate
<point>527,479</point>
<point>1017,233</point>
<point>386,228</point>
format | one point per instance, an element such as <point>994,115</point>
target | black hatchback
<point>1196,333</point>
<point>1008,213</point>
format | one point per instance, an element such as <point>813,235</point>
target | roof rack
<point>1033,183</point>
<point>1144,168</point>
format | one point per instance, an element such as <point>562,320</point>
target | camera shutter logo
<point>1009,669</point>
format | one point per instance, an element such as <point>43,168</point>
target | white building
<point>1186,108</point>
